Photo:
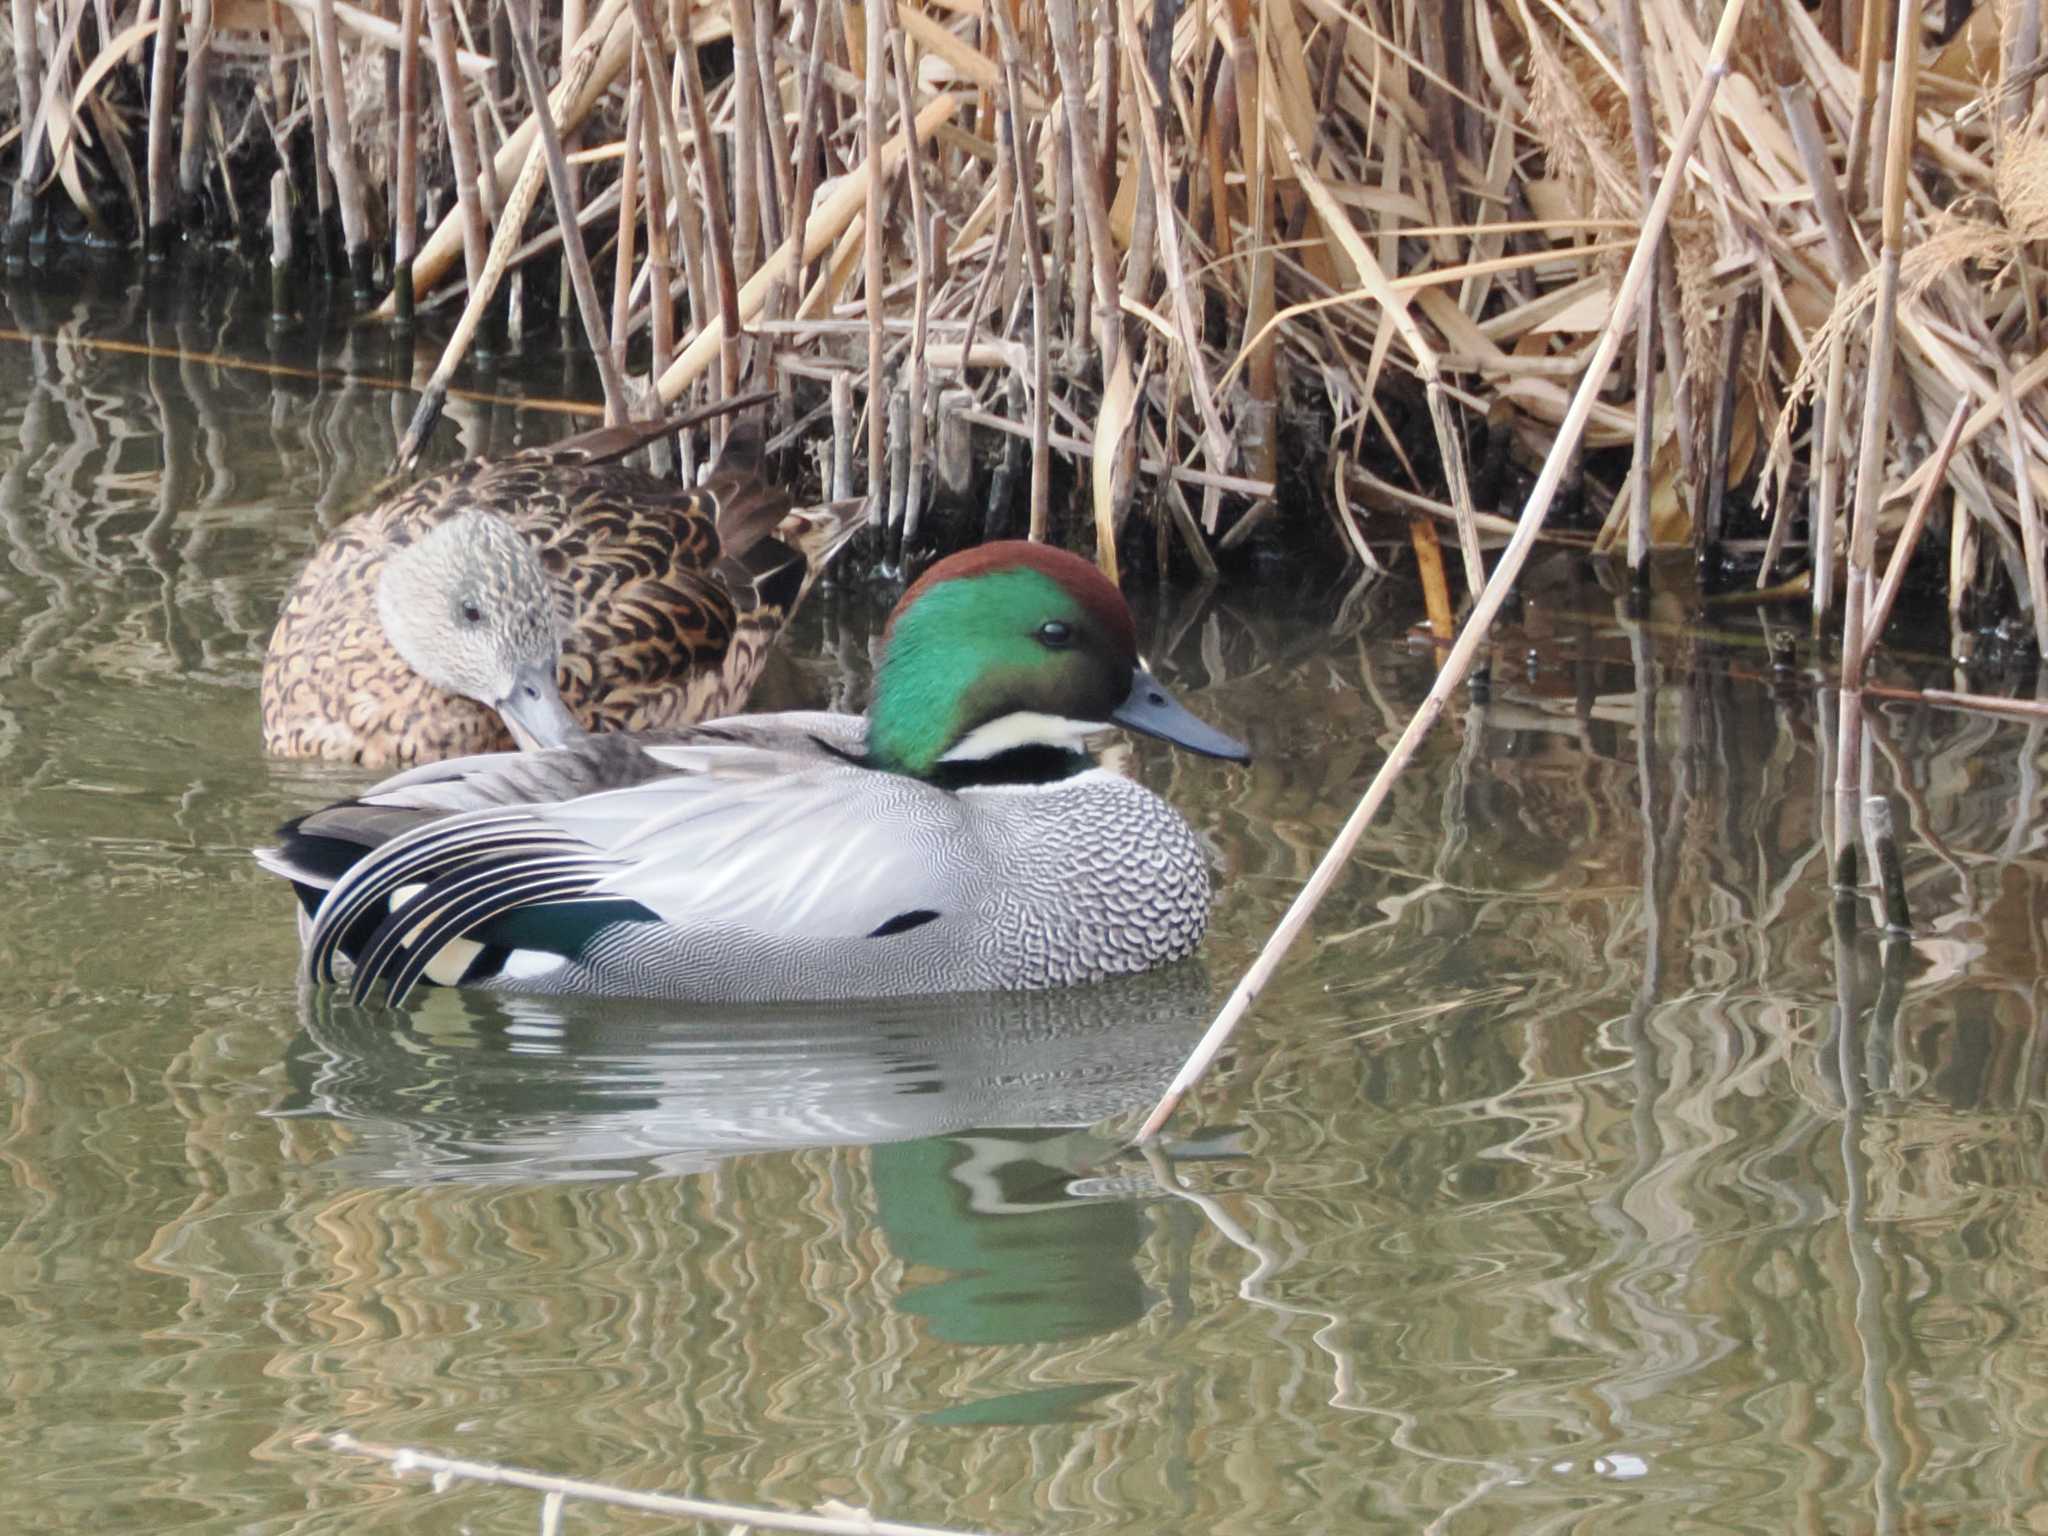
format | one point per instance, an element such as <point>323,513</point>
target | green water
<point>1543,1191</point>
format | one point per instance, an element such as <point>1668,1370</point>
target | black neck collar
<point>1019,765</point>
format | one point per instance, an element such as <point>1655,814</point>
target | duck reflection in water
<point>975,1107</point>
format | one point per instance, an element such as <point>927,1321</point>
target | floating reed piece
<point>1306,253</point>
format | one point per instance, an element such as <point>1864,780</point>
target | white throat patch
<point>1024,728</point>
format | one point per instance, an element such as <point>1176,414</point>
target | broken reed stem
<point>1011,121</point>
<point>28,76</point>
<point>1643,132</point>
<point>198,75</point>
<point>1641,269</point>
<point>1876,420</point>
<point>1882,848</point>
<point>1828,498</point>
<point>923,236</point>
<point>741,169</point>
<point>629,211</point>
<point>827,221</point>
<point>871,258</point>
<point>461,145</point>
<point>163,70</point>
<point>559,182</point>
<point>1909,536</point>
<point>1066,53</point>
<point>772,158</point>
<point>718,228</point>
<point>341,155</point>
<point>2029,511</point>
<point>804,184</point>
<point>675,184</point>
<point>586,74</point>
<point>1216,438</point>
<point>511,219</point>
<point>405,233</point>
<point>404,1459</point>
<point>1869,52</point>
<point>660,274</point>
<point>280,246</point>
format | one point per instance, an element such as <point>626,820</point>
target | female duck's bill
<point>958,838</point>
<point>528,593</point>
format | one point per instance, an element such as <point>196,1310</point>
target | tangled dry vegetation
<point>1342,257</point>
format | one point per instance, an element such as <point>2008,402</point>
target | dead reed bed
<point>1204,261</point>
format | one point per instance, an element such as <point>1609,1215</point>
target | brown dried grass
<point>1383,222</point>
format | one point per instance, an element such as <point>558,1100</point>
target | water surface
<point>1552,1186</point>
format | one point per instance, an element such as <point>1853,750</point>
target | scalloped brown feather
<point>669,598</point>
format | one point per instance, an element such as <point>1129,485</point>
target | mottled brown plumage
<point>667,599</point>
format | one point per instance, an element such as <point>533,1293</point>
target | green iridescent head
<point>1015,646</point>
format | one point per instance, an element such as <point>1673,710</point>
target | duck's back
<point>667,598</point>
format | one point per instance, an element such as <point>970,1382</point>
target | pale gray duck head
<point>471,610</point>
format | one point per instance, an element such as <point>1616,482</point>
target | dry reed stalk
<point>777,169</point>
<point>874,63</point>
<point>1010,113</point>
<point>163,70</point>
<point>1429,568</point>
<point>462,152</point>
<point>1216,439</point>
<point>28,77</point>
<point>573,21</point>
<point>1828,497</point>
<point>323,173</point>
<point>1869,56</point>
<point>629,213</point>
<point>1909,536</point>
<point>587,73</point>
<point>852,1522</point>
<point>1151,464</point>
<point>1876,422</point>
<point>924,236</point>
<point>718,238</point>
<point>1714,486</point>
<point>405,224</point>
<point>832,216</point>
<point>1643,134</point>
<point>280,245</point>
<point>1641,269</point>
<point>1066,52</point>
<point>198,77</point>
<point>664,85</point>
<point>518,203</point>
<point>842,437</point>
<point>575,257</point>
<point>1824,468</point>
<point>47,132</point>
<point>803,184</point>
<point>2029,512</point>
<point>348,187</point>
<point>1261,357</point>
<point>1337,221</point>
<point>743,172</point>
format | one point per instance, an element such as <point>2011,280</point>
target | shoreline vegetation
<point>1321,271</point>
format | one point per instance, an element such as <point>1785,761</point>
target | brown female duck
<point>421,622</point>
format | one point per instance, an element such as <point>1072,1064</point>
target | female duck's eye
<point>1055,634</point>
<point>471,614</point>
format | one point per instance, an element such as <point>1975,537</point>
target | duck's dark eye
<point>471,613</point>
<point>1055,634</point>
